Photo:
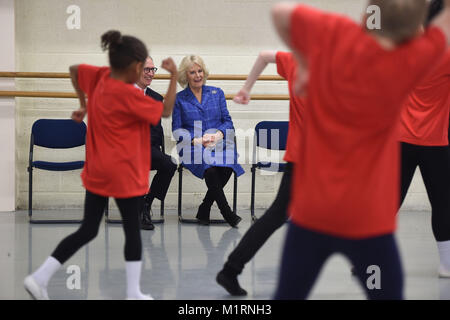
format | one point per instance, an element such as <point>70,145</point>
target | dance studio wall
<point>7,143</point>
<point>228,34</point>
<point>7,108</point>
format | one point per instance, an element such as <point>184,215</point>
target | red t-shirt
<point>425,117</point>
<point>346,183</point>
<point>287,68</point>
<point>117,143</point>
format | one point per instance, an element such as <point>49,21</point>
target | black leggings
<point>305,252</point>
<point>94,206</point>
<point>264,227</point>
<point>434,164</point>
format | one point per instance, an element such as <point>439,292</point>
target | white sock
<point>133,269</point>
<point>444,254</point>
<point>46,271</point>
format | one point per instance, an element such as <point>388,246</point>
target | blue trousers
<point>376,261</point>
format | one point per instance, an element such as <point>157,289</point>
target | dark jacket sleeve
<point>156,132</point>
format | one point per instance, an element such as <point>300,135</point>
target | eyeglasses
<point>147,70</point>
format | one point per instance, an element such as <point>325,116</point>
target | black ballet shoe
<point>231,284</point>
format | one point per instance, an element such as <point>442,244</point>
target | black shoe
<point>232,219</point>
<point>147,225</point>
<point>203,213</point>
<point>235,221</point>
<point>229,216</point>
<point>203,222</point>
<point>230,284</point>
<point>146,220</point>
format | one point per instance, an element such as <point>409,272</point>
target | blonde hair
<point>400,19</point>
<point>186,64</point>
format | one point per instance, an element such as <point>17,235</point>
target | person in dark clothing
<point>163,164</point>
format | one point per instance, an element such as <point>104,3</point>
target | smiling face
<point>146,77</point>
<point>195,76</point>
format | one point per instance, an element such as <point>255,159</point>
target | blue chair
<point>54,134</point>
<point>271,135</point>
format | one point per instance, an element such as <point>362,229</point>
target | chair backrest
<point>58,133</point>
<point>271,134</point>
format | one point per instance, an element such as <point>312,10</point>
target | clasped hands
<point>209,140</point>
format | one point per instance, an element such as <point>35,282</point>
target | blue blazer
<point>192,119</point>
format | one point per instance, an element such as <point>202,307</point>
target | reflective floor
<point>180,261</point>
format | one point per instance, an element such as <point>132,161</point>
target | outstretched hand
<point>242,97</point>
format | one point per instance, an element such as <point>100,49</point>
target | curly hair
<point>186,64</point>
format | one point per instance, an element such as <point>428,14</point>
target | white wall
<point>228,34</point>
<point>7,109</point>
<point>7,143</point>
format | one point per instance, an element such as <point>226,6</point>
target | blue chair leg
<point>161,219</point>
<point>180,192</point>
<point>107,219</point>
<point>30,192</point>
<point>252,194</point>
<point>180,198</point>
<point>235,194</point>
<point>30,206</point>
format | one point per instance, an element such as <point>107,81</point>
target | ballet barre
<point>72,95</point>
<point>66,75</point>
<point>48,94</point>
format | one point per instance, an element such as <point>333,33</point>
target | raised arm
<point>442,20</point>
<point>169,100</point>
<point>264,58</point>
<point>281,16</point>
<point>79,114</point>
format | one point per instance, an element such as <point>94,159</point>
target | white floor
<point>182,260</point>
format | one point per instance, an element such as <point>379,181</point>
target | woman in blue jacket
<point>204,133</point>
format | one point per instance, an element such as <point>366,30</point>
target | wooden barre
<point>61,75</point>
<point>70,95</point>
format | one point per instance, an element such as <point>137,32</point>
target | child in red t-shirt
<point>345,192</point>
<point>276,215</point>
<point>424,144</point>
<point>117,153</point>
